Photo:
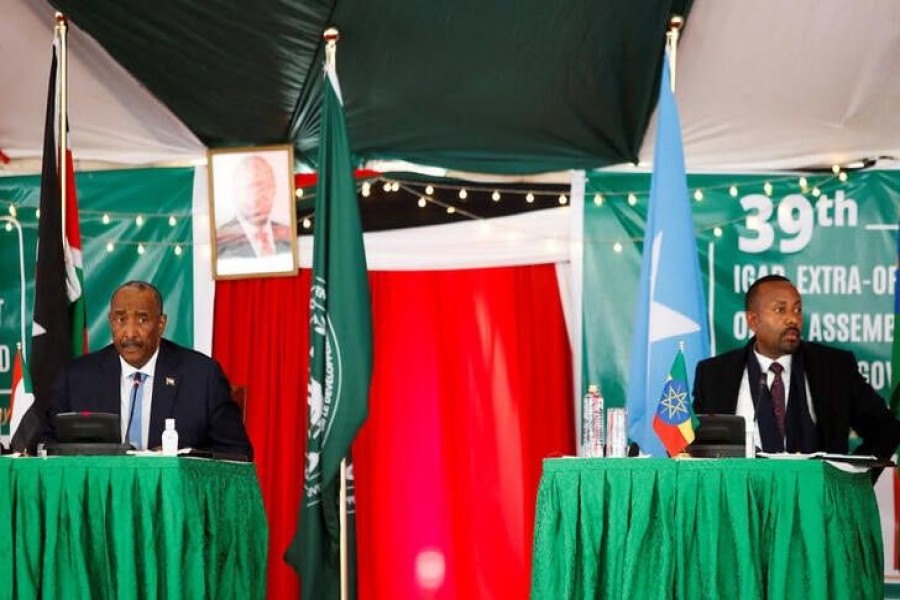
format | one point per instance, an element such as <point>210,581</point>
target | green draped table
<point>130,527</point>
<point>730,528</point>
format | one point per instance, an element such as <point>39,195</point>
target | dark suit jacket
<point>187,386</point>
<point>841,397</point>
<point>232,241</point>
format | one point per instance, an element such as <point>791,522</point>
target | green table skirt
<point>130,527</point>
<point>733,528</point>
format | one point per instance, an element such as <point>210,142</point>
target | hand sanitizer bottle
<point>170,439</point>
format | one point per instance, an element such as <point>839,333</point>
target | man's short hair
<point>750,297</point>
<point>142,286</point>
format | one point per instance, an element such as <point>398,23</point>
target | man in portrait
<point>252,232</point>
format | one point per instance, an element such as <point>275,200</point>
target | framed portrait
<point>252,212</point>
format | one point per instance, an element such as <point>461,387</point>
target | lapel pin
<point>170,381</point>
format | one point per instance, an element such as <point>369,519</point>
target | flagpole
<point>331,36</point>
<point>62,100</point>
<point>675,25</point>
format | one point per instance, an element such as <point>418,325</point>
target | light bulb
<point>842,176</point>
<point>698,195</point>
<point>529,197</point>
<point>307,223</point>
<point>429,190</point>
<point>450,210</point>
<point>139,220</point>
<point>109,246</point>
<point>803,183</point>
<point>141,249</point>
<point>495,196</point>
<point>632,199</point>
<point>617,247</point>
<point>717,231</point>
<point>172,221</point>
<point>298,192</point>
<point>733,191</point>
<point>767,188</point>
<point>422,202</point>
<point>598,199</point>
<point>463,194</point>
<point>563,199</point>
<point>177,249</point>
<point>12,210</point>
<point>366,189</point>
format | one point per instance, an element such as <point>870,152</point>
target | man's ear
<point>162,324</point>
<point>752,320</point>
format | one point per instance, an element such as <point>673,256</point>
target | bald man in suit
<point>178,382</point>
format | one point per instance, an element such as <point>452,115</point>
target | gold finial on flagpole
<point>675,25</point>
<point>331,36</point>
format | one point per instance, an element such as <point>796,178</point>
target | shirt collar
<point>784,360</point>
<point>148,369</point>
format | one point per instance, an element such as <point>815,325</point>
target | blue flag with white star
<point>671,306</point>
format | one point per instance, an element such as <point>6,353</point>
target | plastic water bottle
<point>170,439</point>
<point>592,434</point>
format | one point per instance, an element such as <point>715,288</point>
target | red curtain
<point>471,389</point>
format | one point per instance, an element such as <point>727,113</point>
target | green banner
<point>135,224</point>
<point>834,236</point>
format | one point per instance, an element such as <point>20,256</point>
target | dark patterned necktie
<point>777,391</point>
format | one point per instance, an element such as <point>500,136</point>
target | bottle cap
<point>593,388</point>
<point>170,423</point>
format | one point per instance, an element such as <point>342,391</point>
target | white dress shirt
<point>126,384</point>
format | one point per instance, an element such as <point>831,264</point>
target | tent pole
<point>675,25</point>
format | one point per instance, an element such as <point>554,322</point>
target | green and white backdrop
<point>835,239</point>
<point>135,224</point>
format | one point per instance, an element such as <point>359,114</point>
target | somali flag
<point>671,305</point>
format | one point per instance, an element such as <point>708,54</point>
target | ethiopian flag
<point>674,419</point>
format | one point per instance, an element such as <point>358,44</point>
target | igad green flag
<point>340,364</point>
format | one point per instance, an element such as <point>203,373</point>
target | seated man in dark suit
<point>803,396</point>
<point>174,382</point>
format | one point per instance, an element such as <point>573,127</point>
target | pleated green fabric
<point>733,528</point>
<point>131,527</point>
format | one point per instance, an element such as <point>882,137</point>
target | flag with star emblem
<point>58,330</point>
<point>671,305</point>
<point>674,419</point>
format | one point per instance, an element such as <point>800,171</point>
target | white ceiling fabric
<point>112,118</point>
<point>769,84</point>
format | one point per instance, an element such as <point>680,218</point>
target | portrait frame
<point>252,212</point>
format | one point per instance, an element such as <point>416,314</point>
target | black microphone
<point>759,391</point>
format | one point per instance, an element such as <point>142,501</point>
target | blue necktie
<point>134,427</point>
